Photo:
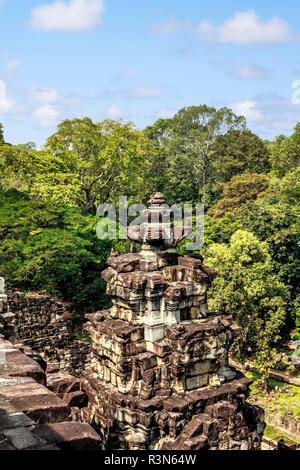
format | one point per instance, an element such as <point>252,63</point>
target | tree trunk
<point>204,171</point>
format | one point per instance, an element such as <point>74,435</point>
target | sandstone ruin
<point>36,398</point>
<point>43,325</point>
<point>159,376</point>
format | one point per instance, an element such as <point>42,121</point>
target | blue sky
<point>141,60</point>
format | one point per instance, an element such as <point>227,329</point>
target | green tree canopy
<point>275,219</point>
<point>103,156</point>
<point>285,153</point>
<point>82,164</point>
<point>239,190</point>
<point>187,145</point>
<point>54,249</point>
<point>247,286</point>
<point>37,173</point>
<point>239,152</point>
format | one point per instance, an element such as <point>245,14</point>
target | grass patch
<point>275,435</point>
<point>84,337</point>
<point>282,398</point>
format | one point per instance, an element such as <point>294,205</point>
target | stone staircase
<point>32,416</point>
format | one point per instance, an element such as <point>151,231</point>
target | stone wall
<point>285,424</point>
<point>36,403</point>
<point>44,325</point>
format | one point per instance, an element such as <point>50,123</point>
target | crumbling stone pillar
<point>159,377</point>
<point>6,317</point>
<point>3,296</point>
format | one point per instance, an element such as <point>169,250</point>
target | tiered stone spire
<point>159,376</point>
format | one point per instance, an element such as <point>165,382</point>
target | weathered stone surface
<point>24,402</point>
<point>8,421</point>
<point>70,436</point>
<point>20,365</point>
<point>159,375</point>
<point>37,402</point>
<point>42,325</point>
<point>61,382</point>
<point>21,438</point>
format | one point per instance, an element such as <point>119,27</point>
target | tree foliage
<point>285,153</point>
<point>53,249</point>
<point>239,190</point>
<point>239,152</point>
<point>102,156</point>
<point>247,286</point>
<point>82,164</point>
<point>187,145</point>
<point>275,219</point>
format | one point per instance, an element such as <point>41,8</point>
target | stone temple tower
<point>159,377</point>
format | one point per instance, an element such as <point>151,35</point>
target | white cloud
<point>248,109</point>
<point>166,113</point>
<point>279,115</point>
<point>46,115</point>
<point>244,27</point>
<point>248,28</point>
<point>12,64</point>
<point>72,15</point>
<point>171,26</point>
<point>114,112</point>
<point>207,31</point>
<point>44,95</point>
<point>145,91</point>
<point>246,70</point>
<point>7,105</point>
<point>250,71</point>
